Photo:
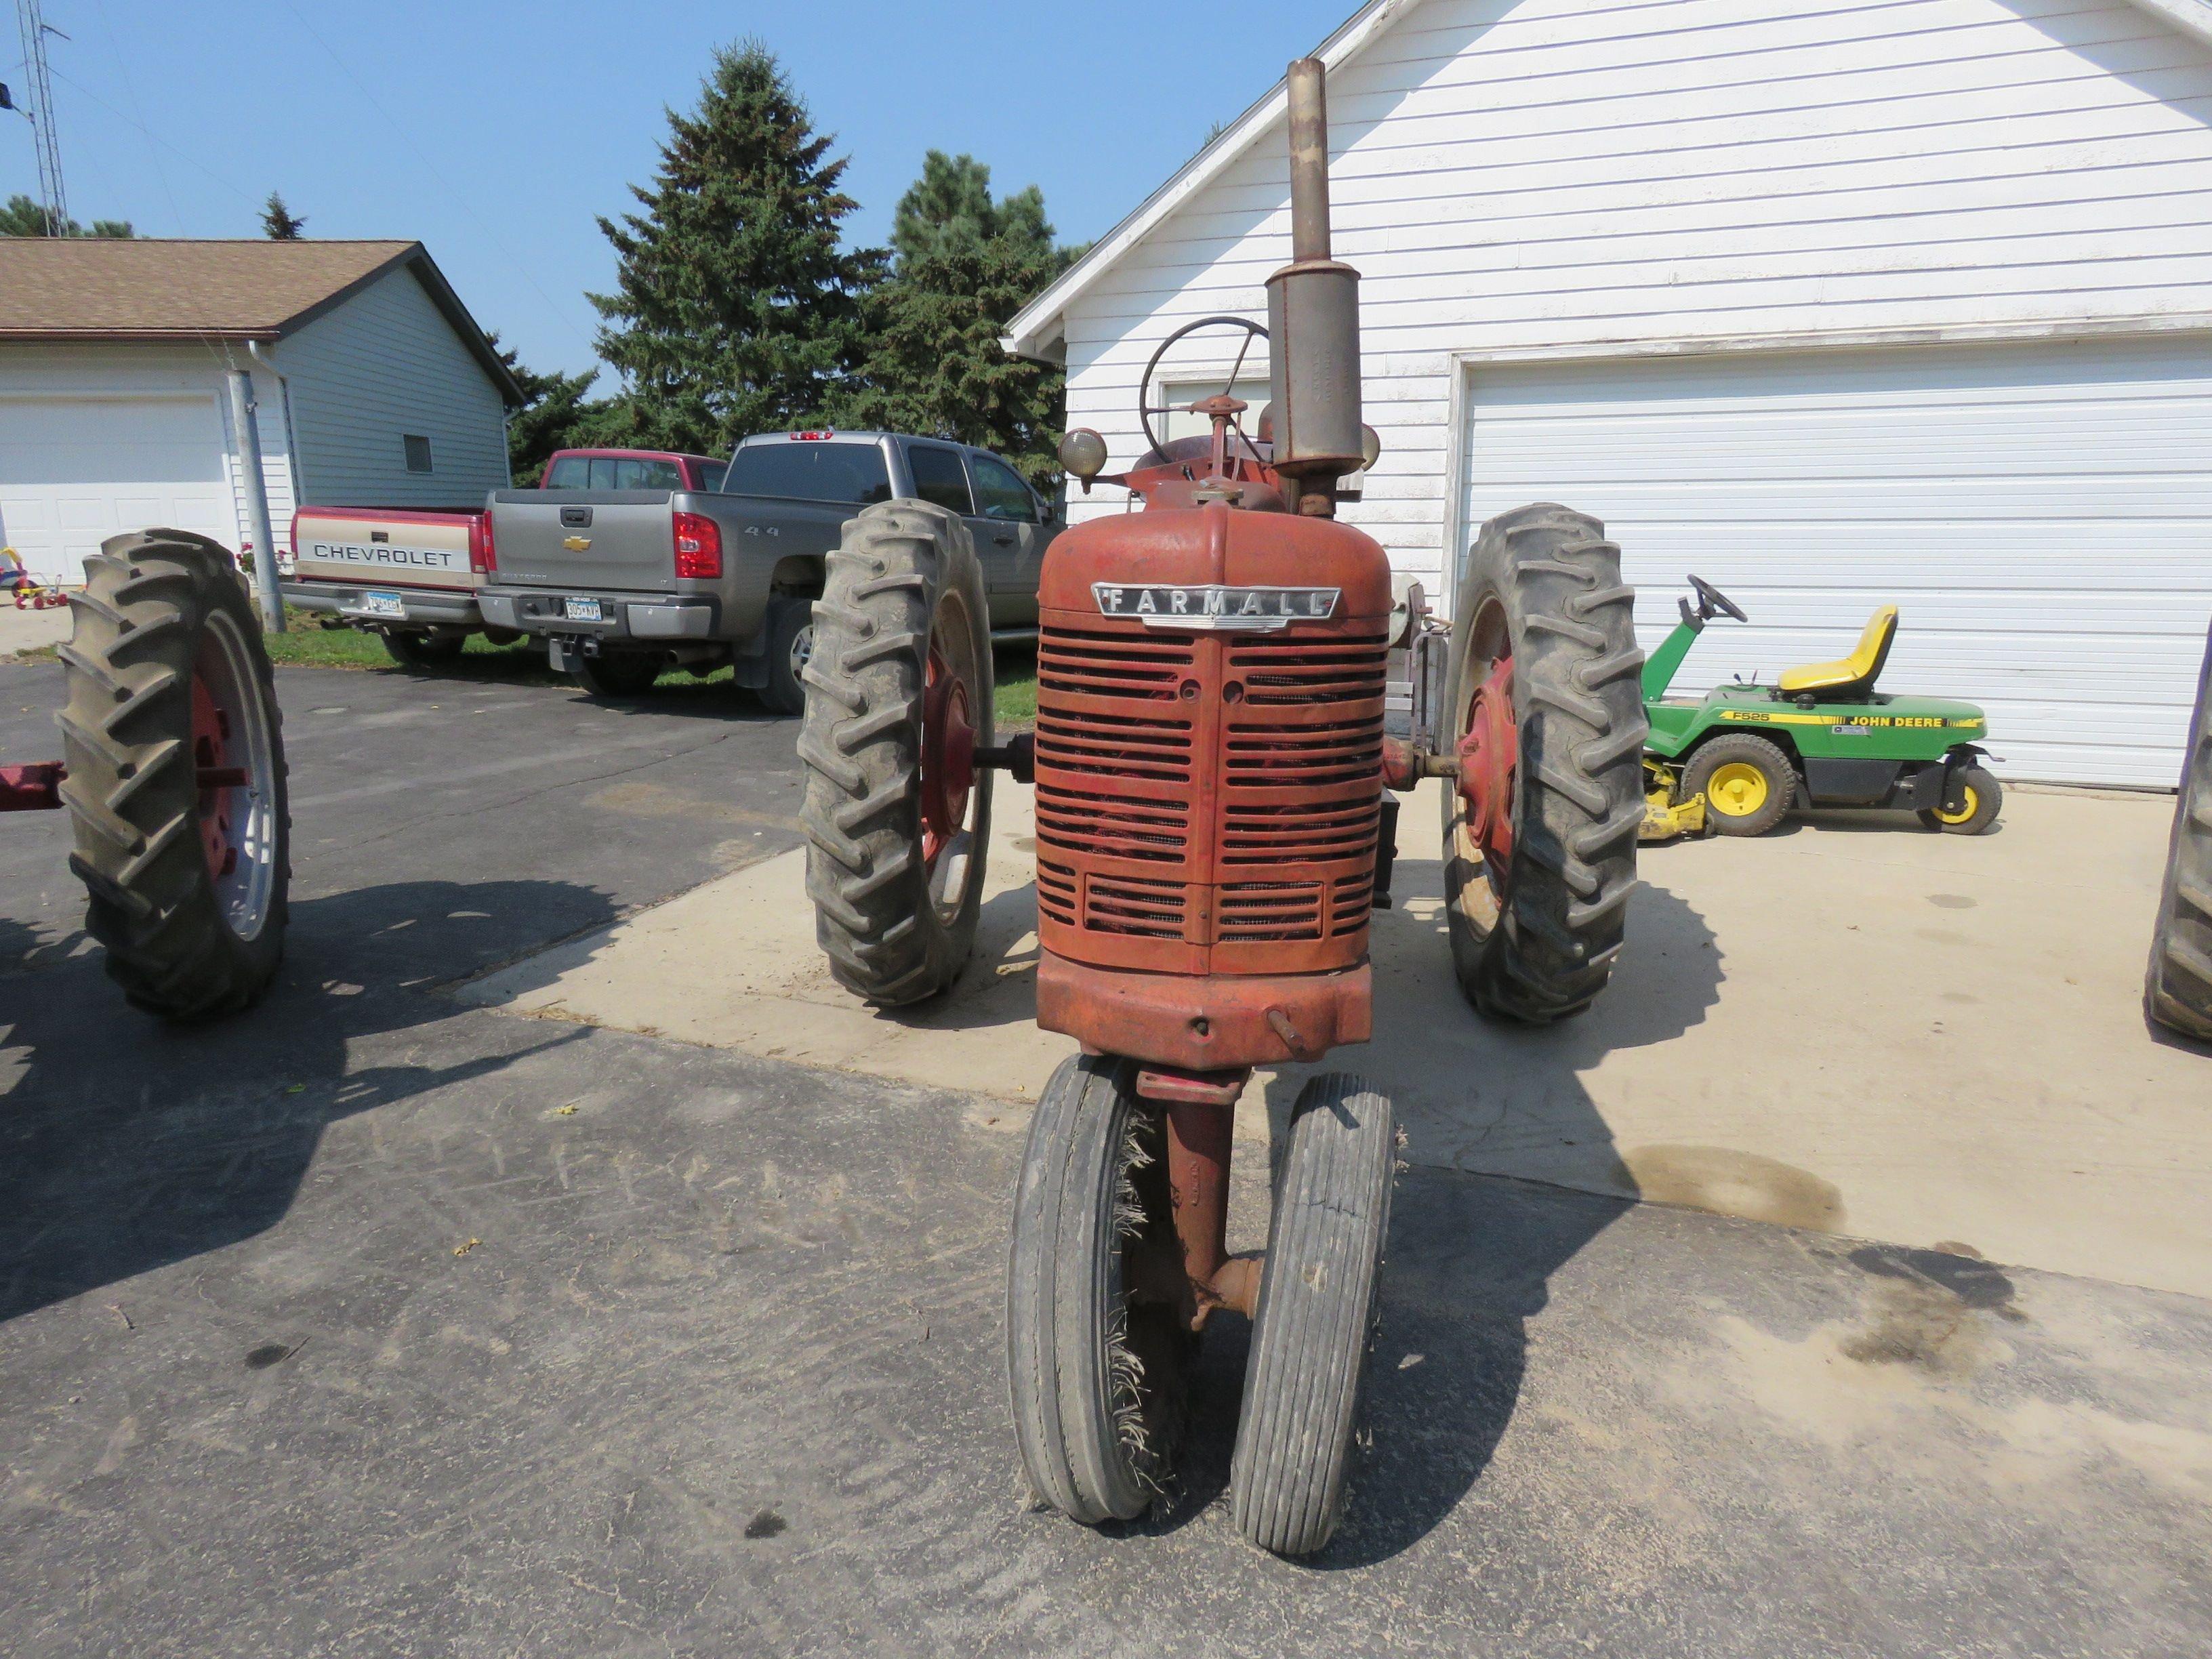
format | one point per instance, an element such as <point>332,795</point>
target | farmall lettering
<point>1257,610</point>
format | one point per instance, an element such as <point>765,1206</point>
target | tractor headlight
<point>1371,447</point>
<point>1082,453</point>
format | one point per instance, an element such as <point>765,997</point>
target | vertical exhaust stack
<point>1313,320</point>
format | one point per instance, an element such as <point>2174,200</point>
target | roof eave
<point>1038,327</point>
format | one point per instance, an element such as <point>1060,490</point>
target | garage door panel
<point>75,471</point>
<point>2042,513</point>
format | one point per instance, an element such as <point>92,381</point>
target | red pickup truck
<point>411,574</point>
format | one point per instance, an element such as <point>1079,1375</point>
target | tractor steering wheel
<point>1146,409</point>
<point>1711,602</point>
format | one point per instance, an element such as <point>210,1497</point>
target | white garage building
<point>1831,304</point>
<point>374,386</point>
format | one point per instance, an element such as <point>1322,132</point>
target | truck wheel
<point>898,696</point>
<point>1319,1308</point>
<point>176,785</point>
<point>1976,813</point>
<point>790,644</point>
<point>1098,1370</point>
<point>1547,718</point>
<point>1747,782</point>
<point>2177,990</point>
<point>621,673</point>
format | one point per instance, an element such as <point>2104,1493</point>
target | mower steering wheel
<point>1712,602</point>
<point>1145,409</point>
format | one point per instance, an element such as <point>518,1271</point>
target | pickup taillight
<point>484,558</point>
<point>698,547</point>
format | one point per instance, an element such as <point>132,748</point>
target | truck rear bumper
<point>621,616</point>
<point>419,607</point>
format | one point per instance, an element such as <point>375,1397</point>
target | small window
<point>570,472</point>
<point>648,475</point>
<point>418,452</point>
<point>710,475</point>
<point>938,478</point>
<point>999,491</point>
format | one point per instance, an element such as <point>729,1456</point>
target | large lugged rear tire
<point>176,784</point>
<point>895,862</point>
<point>1320,1304</point>
<point>2177,990</point>
<point>1533,935</point>
<point>1098,1374</point>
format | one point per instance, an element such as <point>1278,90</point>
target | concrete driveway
<point>381,1324</point>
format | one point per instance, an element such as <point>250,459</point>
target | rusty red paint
<point>211,755</point>
<point>1206,1022</point>
<point>36,788</point>
<point>948,757</point>
<point>1201,1142</point>
<point>1489,757</point>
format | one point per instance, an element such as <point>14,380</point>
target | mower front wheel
<point>1983,799</point>
<point>1747,782</point>
<point>1097,1355</point>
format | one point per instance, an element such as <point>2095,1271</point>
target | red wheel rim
<point>1489,756</point>
<point>218,778</point>
<point>948,757</point>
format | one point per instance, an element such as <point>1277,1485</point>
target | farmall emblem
<point>1255,609</point>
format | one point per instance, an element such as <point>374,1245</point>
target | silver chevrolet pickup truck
<point>624,584</point>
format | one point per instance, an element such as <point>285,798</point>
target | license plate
<point>584,611</point>
<point>384,605</point>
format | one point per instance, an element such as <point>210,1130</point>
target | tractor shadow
<point>132,1144</point>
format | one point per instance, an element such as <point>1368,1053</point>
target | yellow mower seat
<point>1854,676</point>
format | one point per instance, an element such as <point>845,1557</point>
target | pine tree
<point>278,224</point>
<point>967,263</point>
<point>736,309</point>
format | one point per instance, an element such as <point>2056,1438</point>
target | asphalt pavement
<point>374,1323</point>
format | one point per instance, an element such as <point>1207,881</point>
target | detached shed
<point>1832,305</point>
<point>374,386</point>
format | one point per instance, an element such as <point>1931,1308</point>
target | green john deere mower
<point>1739,757</point>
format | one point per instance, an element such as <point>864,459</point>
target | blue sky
<point>495,133</point>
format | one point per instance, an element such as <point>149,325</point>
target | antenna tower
<point>35,29</point>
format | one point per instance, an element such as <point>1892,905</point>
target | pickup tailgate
<point>588,539</point>
<point>383,548</point>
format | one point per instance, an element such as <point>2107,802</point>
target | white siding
<point>384,364</point>
<point>73,377</point>
<point>1557,177</point>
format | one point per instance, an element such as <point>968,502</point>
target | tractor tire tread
<point>152,903</point>
<point>860,743</point>
<point>1577,665</point>
<point>2178,985</point>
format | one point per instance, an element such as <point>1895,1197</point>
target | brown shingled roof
<point>91,288</point>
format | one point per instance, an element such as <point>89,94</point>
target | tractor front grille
<point>1208,802</point>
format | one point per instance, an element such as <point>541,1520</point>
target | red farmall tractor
<point>1214,827</point>
<point>173,774</point>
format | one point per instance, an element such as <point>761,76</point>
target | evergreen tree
<point>277,224</point>
<point>21,217</point>
<point>951,204</point>
<point>967,263</point>
<point>557,413</point>
<point>737,310</point>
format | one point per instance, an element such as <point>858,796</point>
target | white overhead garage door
<point>76,471</point>
<point>2041,514</point>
